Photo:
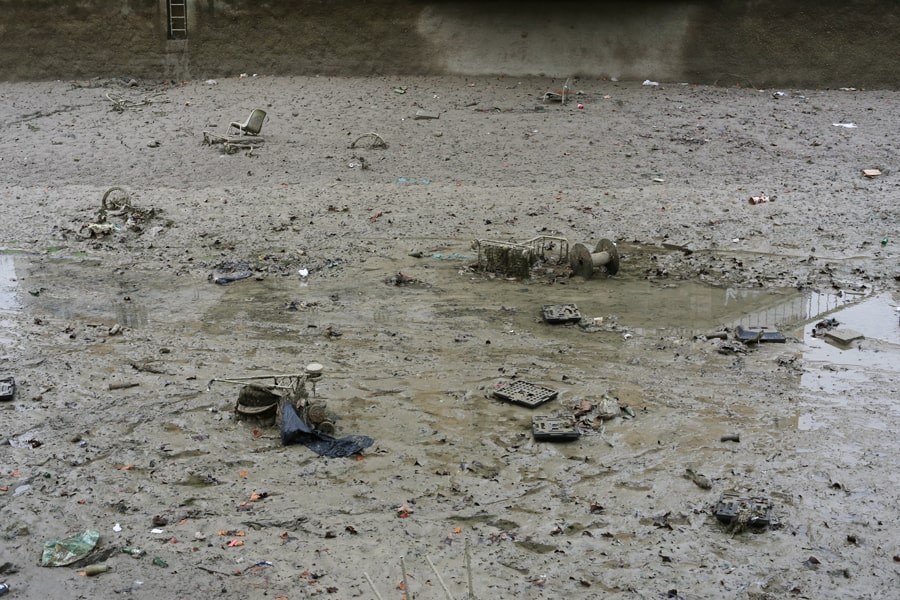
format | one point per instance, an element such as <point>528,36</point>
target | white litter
<point>845,125</point>
<point>648,82</point>
<point>304,272</point>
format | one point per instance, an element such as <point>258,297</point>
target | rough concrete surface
<point>114,328</point>
<point>812,44</point>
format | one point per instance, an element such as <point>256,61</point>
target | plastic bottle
<point>4,589</point>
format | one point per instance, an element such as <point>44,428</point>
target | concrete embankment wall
<point>810,43</point>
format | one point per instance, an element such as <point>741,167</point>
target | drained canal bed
<point>414,364</point>
<point>114,330</point>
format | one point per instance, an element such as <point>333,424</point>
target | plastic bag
<point>295,430</point>
<point>59,553</point>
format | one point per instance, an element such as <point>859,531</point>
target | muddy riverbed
<point>114,332</point>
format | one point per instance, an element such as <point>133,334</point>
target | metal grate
<point>526,394</point>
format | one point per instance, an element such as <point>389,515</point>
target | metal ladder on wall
<point>177,19</point>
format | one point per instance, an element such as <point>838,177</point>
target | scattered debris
<point>247,137</point>
<point>762,198</point>
<point>373,140</point>
<point>743,513</point>
<point>561,313</point>
<point>94,570</point>
<point>649,83</point>
<point>231,145</point>
<point>701,481</point>
<point>302,418</point>
<point>7,388</point>
<point>294,430</point>
<point>524,393</point>
<point>411,181</point>
<point>732,348</point>
<point>758,335</point>
<point>257,401</point>
<point>402,279</point>
<point>229,271</point>
<point>59,553</point>
<point>558,96</point>
<point>116,202</point>
<point>122,386</point>
<point>843,336</point>
<point>604,258</point>
<point>519,258</point>
<point>845,125</point>
<point>720,335</point>
<point>871,173</point>
<point>554,429</point>
<point>608,407</point>
<point>425,114</point>
<point>731,437</point>
<point>121,103</point>
<point>823,326</point>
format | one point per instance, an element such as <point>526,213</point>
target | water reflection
<point>691,308</point>
<point>876,319</point>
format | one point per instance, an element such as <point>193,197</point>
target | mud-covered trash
<point>759,335</point>
<point>230,271</point>
<point>97,229</point>
<point>560,313</point>
<point>843,337</point>
<point>401,279</point>
<point>608,407</point>
<point>257,401</point>
<point>741,513</point>
<point>700,480</point>
<point>7,388</point>
<point>823,326</point>
<point>294,430</point>
<point>761,199</point>
<point>546,428</point>
<point>732,348</point>
<point>94,570</point>
<point>59,553</point>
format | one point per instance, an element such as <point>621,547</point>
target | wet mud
<point>115,339</point>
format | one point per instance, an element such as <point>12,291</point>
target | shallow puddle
<point>878,349</point>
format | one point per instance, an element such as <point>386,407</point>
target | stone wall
<point>824,43</point>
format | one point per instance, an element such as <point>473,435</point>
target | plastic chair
<point>252,125</point>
